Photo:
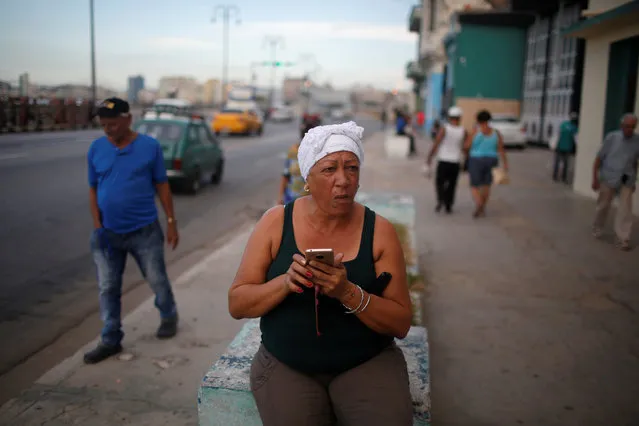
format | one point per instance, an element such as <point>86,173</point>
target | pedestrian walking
<point>383,118</point>
<point>614,173</point>
<point>126,171</point>
<point>566,147</point>
<point>448,148</point>
<point>484,146</point>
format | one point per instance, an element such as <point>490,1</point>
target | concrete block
<point>225,399</point>
<point>396,146</point>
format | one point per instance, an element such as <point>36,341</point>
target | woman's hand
<point>298,275</point>
<point>331,279</point>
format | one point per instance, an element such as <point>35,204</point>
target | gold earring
<point>306,188</point>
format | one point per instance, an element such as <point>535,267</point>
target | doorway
<point>622,81</point>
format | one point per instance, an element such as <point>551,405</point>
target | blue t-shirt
<point>400,124</point>
<point>484,145</point>
<point>125,181</point>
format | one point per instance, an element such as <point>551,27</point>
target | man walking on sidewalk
<point>126,170</point>
<point>615,172</point>
<point>448,147</point>
<point>565,147</point>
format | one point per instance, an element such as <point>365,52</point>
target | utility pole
<point>273,42</point>
<point>225,10</point>
<point>93,83</point>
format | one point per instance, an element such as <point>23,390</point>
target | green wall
<point>494,62</point>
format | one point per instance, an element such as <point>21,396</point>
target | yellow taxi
<point>237,122</point>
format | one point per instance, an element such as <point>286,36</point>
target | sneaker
<point>101,352</point>
<point>438,208</point>
<point>597,233</point>
<point>168,328</point>
<point>623,245</point>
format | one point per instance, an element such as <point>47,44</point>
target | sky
<point>353,41</point>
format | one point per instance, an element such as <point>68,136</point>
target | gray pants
<point>375,393</point>
<point>623,219</point>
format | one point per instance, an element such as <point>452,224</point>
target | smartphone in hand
<point>321,255</point>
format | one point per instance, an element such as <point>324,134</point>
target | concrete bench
<point>396,146</point>
<point>225,399</point>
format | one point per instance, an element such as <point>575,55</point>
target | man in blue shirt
<point>126,171</point>
<point>565,147</point>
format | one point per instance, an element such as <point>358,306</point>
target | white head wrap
<point>321,141</point>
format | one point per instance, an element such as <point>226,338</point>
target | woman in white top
<point>448,147</point>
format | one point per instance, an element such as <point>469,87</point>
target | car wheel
<point>219,172</point>
<point>194,184</point>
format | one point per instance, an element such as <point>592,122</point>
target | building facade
<point>491,45</point>
<point>211,92</point>
<point>430,65</point>
<point>23,84</point>
<point>553,72</point>
<point>610,79</point>
<point>181,87</point>
<point>136,83</point>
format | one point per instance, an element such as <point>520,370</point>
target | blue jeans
<point>146,245</point>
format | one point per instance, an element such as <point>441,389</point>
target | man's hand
<point>595,185</point>
<point>172,235</point>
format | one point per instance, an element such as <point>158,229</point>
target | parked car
<point>511,130</point>
<point>192,154</point>
<point>282,113</point>
<point>238,122</point>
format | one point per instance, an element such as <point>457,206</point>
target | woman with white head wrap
<point>327,329</point>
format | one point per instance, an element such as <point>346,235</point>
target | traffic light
<point>277,64</point>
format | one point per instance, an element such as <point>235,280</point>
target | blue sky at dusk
<point>354,41</point>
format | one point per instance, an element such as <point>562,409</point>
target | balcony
<point>427,49</point>
<point>415,19</point>
<point>415,72</point>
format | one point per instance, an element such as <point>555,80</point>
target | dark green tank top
<point>288,331</point>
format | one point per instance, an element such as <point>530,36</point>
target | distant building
<point>211,92</point>
<point>136,83</point>
<point>186,88</point>
<point>23,83</point>
<point>5,88</point>
<point>292,89</point>
<point>146,96</point>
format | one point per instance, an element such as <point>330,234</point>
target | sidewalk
<point>530,320</point>
<point>153,382</point>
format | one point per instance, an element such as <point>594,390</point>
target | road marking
<point>12,156</point>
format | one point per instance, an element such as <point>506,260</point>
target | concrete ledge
<point>396,146</point>
<point>225,399</point>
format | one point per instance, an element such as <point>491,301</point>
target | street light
<point>92,29</point>
<point>226,11</point>
<point>310,59</point>
<point>273,42</point>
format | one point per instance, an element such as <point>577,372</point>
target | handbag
<point>500,176</point>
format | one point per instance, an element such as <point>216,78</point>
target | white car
<point>282,113</point>
<point>511,130</point>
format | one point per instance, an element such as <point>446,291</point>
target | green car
<point>192,154</point>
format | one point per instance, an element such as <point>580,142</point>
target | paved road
<point>48,283</point>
